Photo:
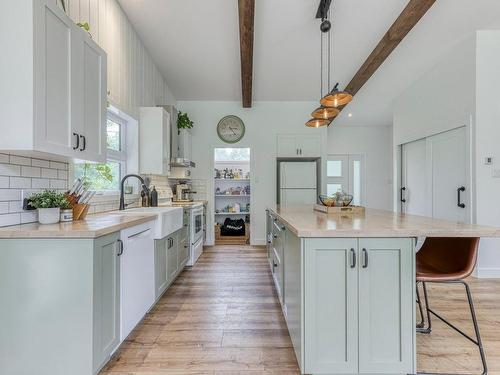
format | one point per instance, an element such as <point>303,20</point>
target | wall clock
<point>231,129</point>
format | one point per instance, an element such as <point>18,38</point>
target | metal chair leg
<point>419,302</point>
<point>476,328</point>
<point>428,313</point>
<point>477,341</point>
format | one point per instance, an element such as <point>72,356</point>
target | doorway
<point>346,172</point>
<point>232,194</point>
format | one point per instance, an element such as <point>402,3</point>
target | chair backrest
<point>450,254</point>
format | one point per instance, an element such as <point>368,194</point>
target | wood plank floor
<point>222,317</point>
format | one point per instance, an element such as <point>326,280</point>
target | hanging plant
<point>183,121</point>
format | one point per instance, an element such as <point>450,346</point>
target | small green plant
<point>85,26</point>
<point>49,199</point>
<point>183,121</point>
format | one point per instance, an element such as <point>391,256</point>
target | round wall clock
<point>231,129</point>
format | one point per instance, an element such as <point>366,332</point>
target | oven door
<point>196,224</point>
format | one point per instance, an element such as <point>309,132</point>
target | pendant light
<point>336,98</point>
<point>316,123</point>
<point>325,113</point>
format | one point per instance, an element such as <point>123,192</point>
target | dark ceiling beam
<point>324,6</point>
<point>409,17</point>
<point>246,10</point>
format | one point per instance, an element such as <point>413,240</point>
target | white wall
<point>134,80</point>
<point>263,122</point>
<point>462,89</point>
<point>375,143</point>
<point>487,140</point>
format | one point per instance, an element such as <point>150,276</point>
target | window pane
<point>113,136</point>
<point>334,168</point>
<point>232,154</point>
<point>356,182</point>
<point>99,176</point>
<point>333,188</point>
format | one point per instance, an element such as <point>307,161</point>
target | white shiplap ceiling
<point>196,45</point>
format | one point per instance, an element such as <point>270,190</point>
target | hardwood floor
<point>222,317</point>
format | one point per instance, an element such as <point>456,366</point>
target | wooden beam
<point>409,17</point>
<point>246,10</point>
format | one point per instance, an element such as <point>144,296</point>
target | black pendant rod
<point>323,8</point>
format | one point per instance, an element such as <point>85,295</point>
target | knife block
<point>80,211</point>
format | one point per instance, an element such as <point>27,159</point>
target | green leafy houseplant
<point>49,199</point>
<point>183,121</point>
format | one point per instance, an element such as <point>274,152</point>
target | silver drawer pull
<point>139,233</point>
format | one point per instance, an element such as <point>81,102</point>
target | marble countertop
<point>305,222</point>
<point>92,227</point>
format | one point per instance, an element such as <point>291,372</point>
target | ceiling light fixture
<point>334,100</point>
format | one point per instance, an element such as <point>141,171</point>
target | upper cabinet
<point>53,82</point>
<point>154,141</point>
<point>298,146</point>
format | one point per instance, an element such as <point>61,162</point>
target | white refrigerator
<point>298,183</point>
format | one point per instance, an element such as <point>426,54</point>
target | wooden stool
<point>448,260</point>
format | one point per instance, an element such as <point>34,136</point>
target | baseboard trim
<point>258,242</point>
<point>487,273</point>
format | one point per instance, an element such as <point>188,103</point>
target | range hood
<point>181,162</point>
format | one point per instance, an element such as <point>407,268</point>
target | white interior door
<point>413,194</point>
<point>447,166</point>
<point>346,173</point>
<point>434,176</point>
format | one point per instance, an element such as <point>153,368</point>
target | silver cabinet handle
<point>353,258</point>
<point>120,247</point>
<point>365,258</point>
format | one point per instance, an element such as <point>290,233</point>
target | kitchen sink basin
<point>168,219</point>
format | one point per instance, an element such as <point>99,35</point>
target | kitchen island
<point>346,284</point>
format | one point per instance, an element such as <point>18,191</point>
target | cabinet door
<point>287,145</point>
<point>309,145</point>
<point>52,129</point>
<point>106,298</point>
<point>185,144</point>
<point>172,258</point>
<point>386,305</point>
<point>183,252</point>
<point>331,306</point>
<point>166,142</point>
<point>161,276</point>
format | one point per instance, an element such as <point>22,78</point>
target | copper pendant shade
<point>325,113</point>
<point>316,123</point>
<point>336,98</point>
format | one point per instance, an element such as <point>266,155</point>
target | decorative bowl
<point>327,201</point>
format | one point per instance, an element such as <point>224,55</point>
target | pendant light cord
<point>329,54</point>
<point>321,65</point>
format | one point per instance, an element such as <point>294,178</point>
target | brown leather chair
<point>447,260</point>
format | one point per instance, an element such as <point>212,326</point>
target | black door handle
<point>365,256</point>
<point>459,197</point>
<point>353,258</point>
<point>120,247</point>
<point>401,194</point>
<point>77,145</point>
<point>84,146</point>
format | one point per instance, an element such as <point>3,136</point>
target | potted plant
<point>48,203</point>
<point>184,122</point>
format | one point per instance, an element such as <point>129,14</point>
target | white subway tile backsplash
<point>57,165</point>
<point>20,160</point>
<point>49,173</point>
<point>40,183</point>
<point>4,207</point>
<point>4,182</point>
<point>30,171</point>
<point>62,175</point>
<point>10,170</point>
<point>22,174</point>
<point>15,206</point>
<point>40,163</point>
<point>10,219</point>
<point>7,195</point>
<point>58,184</point>
<point>20,183</point>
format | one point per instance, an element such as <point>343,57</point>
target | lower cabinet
<point>169,261</point>
<point>106,306</point>
<point>358,306</point>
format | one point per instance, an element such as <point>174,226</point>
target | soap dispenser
<point>154,198</point>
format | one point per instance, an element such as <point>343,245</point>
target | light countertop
<point>92,227</point>
<point>305,222</point>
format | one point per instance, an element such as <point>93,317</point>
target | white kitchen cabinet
<point>52,83</point>
<point>185,144</point>
<point>168,261</point>
<point>173,264</point>
<point>298,145</point>
<point>154,141</point>
<point>137,292</point>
